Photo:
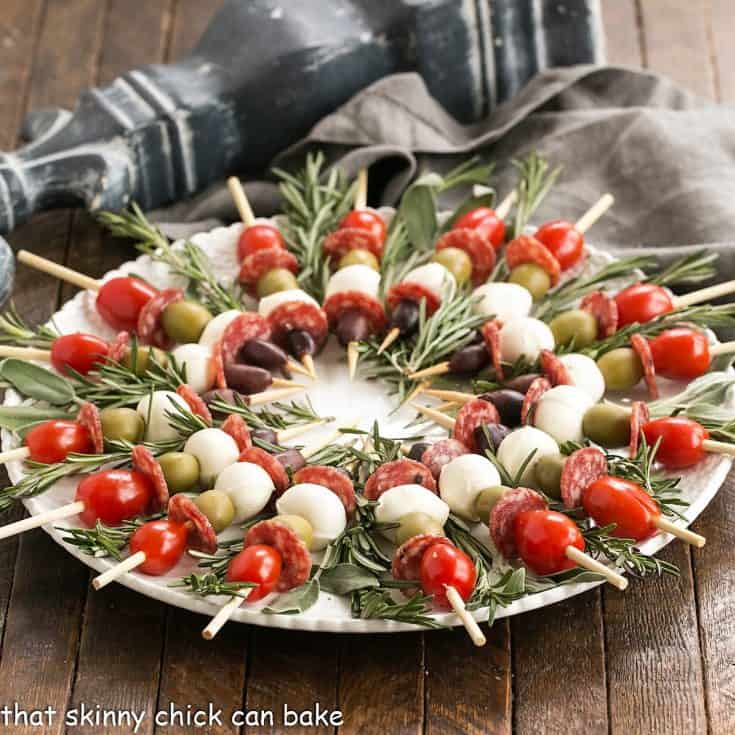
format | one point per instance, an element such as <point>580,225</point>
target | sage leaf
<point>296,601</point>
<point>33,381</point>
<point>15,418</point>
<point>418,212</point>
<point>343,579</point>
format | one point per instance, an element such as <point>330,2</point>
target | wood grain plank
<point>622,32</point>
<point>191,17</point>
<point>721,30</point>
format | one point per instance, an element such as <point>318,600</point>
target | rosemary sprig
<point>692,268</point>
<point>14,330</point>
<point>103,541</point>
<point>379,603</point>
<point>204,585</point>
<point>535,181</point>
<point>284,415</point>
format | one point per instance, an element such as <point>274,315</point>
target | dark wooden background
<point>657,659</point>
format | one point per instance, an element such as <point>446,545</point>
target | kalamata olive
<point>218,508</point>
<point>263,354</point>
<point>299,525</point>
<point>576,326</point>
<point>184,321</point>
<point>301,343</point>
<point>359,257</point>
<point>223,395</point>
<point>532,277</point>
<point>547,472</point>
<point>621,368</point>
<point>469,359</point>
<point>521,383</point>
<point>181,471</point>
<point>509,404</point>
<point>291,459</point>
<point>607,425</point>
<point>352,326</point>
<point>486,499</point>
<point>417,524</point>
<point>405,316</point>
<point>247,379</point>
<point>456,261</point>
<point>265,435</point>
<point>278,279</point>
<point>124,424</point>
<point>496,433</point>
<point>417,451</point>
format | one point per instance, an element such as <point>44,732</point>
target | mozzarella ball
<point>401,500</point>
<point>503,301</point>
<point>518,445</point>
<point>268,303</point>
<point>248,486</point>
<point>200,369</point>
<point>434,277</point>
<point>153,409</point>
<point>524,336</point>
<point>214,449</point>
<point>360,278</point>
<point>585,375</point>
<point>319,506</point>
<point>216,327</point>
<point>463,479</point>
<point>560,413</point>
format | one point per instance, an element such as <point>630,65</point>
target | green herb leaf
<point>36,382</point>
<point>296,601</point>
<point>15,418</point>
<point>418,212</point>
<point>343,579</point>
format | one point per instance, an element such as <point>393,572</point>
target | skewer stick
<point>587,562</point>
<point>13,455</point>
<point>58,271</point>
<point>724,348</point>
<point>687,536</point>
<point>327,440</point>
<point>715,447</point>
<point>296,367</point>
<point>389,339</point>
<point>418,390</point>
<point>441,368</point>
<point>504,207</point>
<point>436,416</point>
<point>126,565</point>
<point>362,189</point>
<point>225,613</point>
<point>25,353</point>
<point>594,212</point>
<point>470,624</point>
<point>241,201</point>
<point>294,431</point>
<point>352,357</point>
<point>704,294</point>
<point>455,396</point>
<point>308,362</point>
<point>258,399</point>
<point>282,383</point>
<point>48,516</point>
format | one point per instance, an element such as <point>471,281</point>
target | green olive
<point>300,526</point>
<point>184,321</point>
<point>122,424</point>
<point>532,277</point>
<point>456,261</point>
<point>218,508</point>
<point>181,471</point>
<point>486,499</point>
<point>621,368</point>
<point>547,472</point>
<point>359,257</point>
<point>416,524</point>
<point>140,358</point>
<point>278,279</point>
<point>576,326</point>
<point>607,425</point>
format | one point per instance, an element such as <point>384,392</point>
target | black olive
<point>265,435</point>
<point>509,404</point>
<point>263,354</point>
<point>224,395</point>
<point>291,459</point>
<point>405,316</point>
<point>301,343</point>
<point>521,383</point>
<point>495,432</point>
<point>247,379</point>
<point>469,360</point>
<point>352,326</point>
<point>417,450</point>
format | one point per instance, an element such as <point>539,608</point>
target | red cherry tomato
<point>78,351</point>
<point>443,565</point>
<point>257,563</point>
<point>52,441</point>
<point>114,496</point>
<point>627,505</point>
<point>365,219</point>
<point>260,236</point>
<point>163,542</point>
<point>120,300</point>
<point>641,302</point>
<point>485,221</point>
<point>680,353</point>
<point>681,441</point>
<point>564,240</point>
<point>542,538</point>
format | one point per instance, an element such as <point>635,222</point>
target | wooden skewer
<point>594,212</point>
<point>58,271</point>
<point>308,362</point>
<point>258,399</point>
<point>724,348</point>
<point>715,447</point>
<point>226,611</point>
<point>283,383</point>
<point>353,356</point>
<point>241,201</point>
<point>504,207</point>
<point>470,624</point>
<point>294,431</point>
<point>389,339</point>
<point>455,396</point>
<point>441,368</point>
<point>436,416</point>
<point>126,565</point>
<point>25,353</point>
<point>704,294</point>
<point>689,537</point>
<point>418,390</point>
<point>296,367</point>
<point>361,193</point>
<point>48,516</point>
<point>587,562</point>
<point>13,455</point>
<point>327,440</point>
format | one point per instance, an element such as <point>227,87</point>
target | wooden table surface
<point>658,659</point>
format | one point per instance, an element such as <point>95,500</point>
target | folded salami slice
<point>257,264</point>
<point>639,415</point>
<point>490,332</point>
<point>640,344</point>
<point>338,303</point>
<point>89,417</point>
<point>119,347</point>
<point>503,516</point>
<point>605,310</point>
<point>240,330</point>
<point>270,464</point>
<point>526,249</point>
<point>480,250</point>
<point>407,559</point>
<point>554,369</point>
<point>202,536</point>
<point>537,388</point>
<point>195,402</point>
<point>295,557</point>
<point>580,469</point>
<point>442,453</point>
<point>395,473</point>
<point>298,315</point>
<point>341,241</point>
<point>338,481</point>
<point>414,292</point>
<point>145,463</point>
<point>150,327</point>
<point>473,414</point>
<point>235,426</point>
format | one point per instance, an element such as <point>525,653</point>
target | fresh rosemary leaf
<point>14,330</point>
<point>103,541</point>
<point>536,179</point>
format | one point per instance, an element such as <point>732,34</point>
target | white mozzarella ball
<point>319,506</point>
<point>153,409</point>
<point>525,337</point>
<point>585,374</point>
<point>360,278</point>
<point>200,368</point>
<point>517,447</point>
<point>401,500</point>
<point>463,479</point>
<point>214,449</point>
<point>503,301</point>
<point>434,277</point>
<point>248,486</point>
<point>269,303</point>
<point>560,413</point>
<point>216,327</point>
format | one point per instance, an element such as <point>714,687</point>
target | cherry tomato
<point>260,236</point>
<point>485,221</point>
<point>627,505</point>
<point>681,440</point>
<point>120,300</point>
<point>114,496</point>
<point>542,538</point>
<point>78,351</point>
<point>52,441</point>
<point>163,542</point>
<point>564,240</point>
<point>257,563</point>
<point>445,566</point>
<point>365,219</point>
<point>680,353</point>
<point>641,302</point>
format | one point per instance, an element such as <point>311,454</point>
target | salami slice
<point>218,361</point>
<point>605,310</point>
<point>150,329</point>
<point>338,303</point>
<point>442,453</point>
<point>341,241</point>
<point>639,415</point>
<point>145,463</point>
<point>89,418</point>
<point>554,369</point>
<point>490,332</point>
<point>537,388</point>
<point>412,292</point>
<point>270,464</point>
<point>235,426</point>
<point>641,347</point>
<point>202,536</point>
<point>119,347</point>
<point>295,557</point>
<point>504,514</point>
<point>395,473</point>
<point>580,469</point>
<point>297,315</point>
<point>240,330</point>
<point>195,402</point>
<point>257,264</point>
<point>407,559</point>
<point>473,414</point>
<point>479,248</point>
<point>526,249</point>
<point>338,481</point>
